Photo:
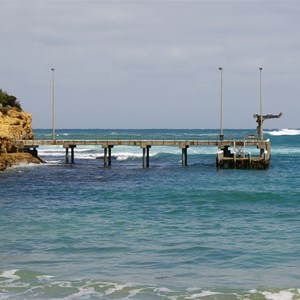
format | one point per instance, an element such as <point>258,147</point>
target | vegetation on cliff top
<point>8,101</point>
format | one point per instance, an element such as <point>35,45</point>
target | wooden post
<point>219,158</point>
<point>184,155</point>
<point>72,153</point>
<point>67,147</point>
<point>107,155</point>
<point>249,160</point>
<point>67,154</point>
<point>234,155</point>
<point>145,155</point>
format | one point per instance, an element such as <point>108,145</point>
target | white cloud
<point>133,55</point>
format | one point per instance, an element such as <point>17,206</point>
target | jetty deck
<point>230,153</point>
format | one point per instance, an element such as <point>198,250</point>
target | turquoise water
<point>83,231</point>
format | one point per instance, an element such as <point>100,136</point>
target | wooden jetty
<point>230,153</point>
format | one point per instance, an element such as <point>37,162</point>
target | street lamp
<point>53,107</point>
<point>221,106</point>
<point>260,98</point>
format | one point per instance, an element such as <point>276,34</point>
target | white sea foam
<point>281,295</point>
<point>10,275</point>
<point>203,294</point>
<point>13,281</point>
<point>83,293</point>
<point>134,292</point>
<point>286,150</point>
<point>284,132</point>
<point>20,167</point>
<point>128,155</point>
<point>120,152</point>
<point>53,162</point>
<point>25,166</point>
<point>97,290</point>
<point>43,278</point>
<point>117,287</point>
<point>163,289</point>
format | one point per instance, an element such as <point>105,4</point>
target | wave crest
<point>284,132</point>
<point>24,284</point>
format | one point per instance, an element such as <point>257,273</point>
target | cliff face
<point>14,125</point>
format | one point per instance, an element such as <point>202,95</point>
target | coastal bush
<point>8,101</point>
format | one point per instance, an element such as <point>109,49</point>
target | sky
<point>152,64</point>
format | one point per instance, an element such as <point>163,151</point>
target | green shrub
<point>7,101</point>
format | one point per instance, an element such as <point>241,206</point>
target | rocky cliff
<point>14,125</point>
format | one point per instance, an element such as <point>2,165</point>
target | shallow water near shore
<point>83,231</point>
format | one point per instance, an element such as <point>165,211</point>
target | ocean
<point>85,231</point>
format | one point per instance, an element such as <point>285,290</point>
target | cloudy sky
<point>152,64</point>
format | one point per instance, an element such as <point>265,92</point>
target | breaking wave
<point>284,132</point>
<point>21,284</point>
<point>120,153</point>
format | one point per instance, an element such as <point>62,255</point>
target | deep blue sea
<point>85,231</point>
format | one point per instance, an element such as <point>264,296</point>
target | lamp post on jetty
<point>53,107</point>
<point>260,105</point>
<point>221,106</point>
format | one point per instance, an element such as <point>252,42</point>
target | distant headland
<point>15,124</point>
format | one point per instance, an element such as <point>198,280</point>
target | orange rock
<point>14,125</point>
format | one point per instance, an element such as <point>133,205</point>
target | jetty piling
<point>67,155</point>
<point>67,147</point>
<point>146,154</point>
<point>184,155</point>
<point>107,154</point>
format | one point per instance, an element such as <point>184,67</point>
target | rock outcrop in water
<point>14,125</point>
